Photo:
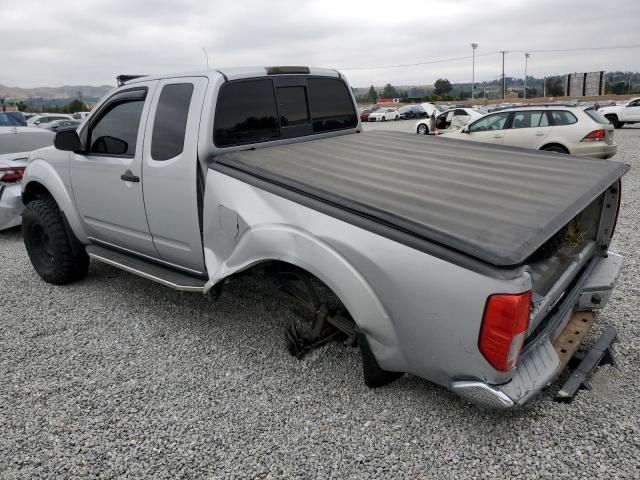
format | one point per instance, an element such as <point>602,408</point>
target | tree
<point>76,106</point>
<point>389,91</point>
<point>619,88</point>
<point>442,86</point>
<point>373,95</point>
<point>555,87</point>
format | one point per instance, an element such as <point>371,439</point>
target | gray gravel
<point>117,377</point>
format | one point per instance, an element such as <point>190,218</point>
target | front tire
<point>56,255</point>
<point>423,129</point>
<point>614,121</point>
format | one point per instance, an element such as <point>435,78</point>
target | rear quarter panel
<point>421,314</point>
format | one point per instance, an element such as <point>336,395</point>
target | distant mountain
<point>86,92</point>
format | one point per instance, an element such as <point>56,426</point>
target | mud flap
<point>374,376</point>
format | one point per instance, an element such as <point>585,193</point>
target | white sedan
<point>384,114</point>
<point>15,145</point>
<point>449,120</point>
<point>553,128</point>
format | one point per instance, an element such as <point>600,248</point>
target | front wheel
<point>614,121</point>
<point>423,129</point>
<point>383,119</point>
<point>56,255</point>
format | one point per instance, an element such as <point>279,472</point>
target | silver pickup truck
<point>458,262</point>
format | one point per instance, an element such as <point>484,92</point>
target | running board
<point>149,270</point>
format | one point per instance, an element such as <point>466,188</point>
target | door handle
<point>497,136</point>
<point>539,134</point>
<point>128,176</point>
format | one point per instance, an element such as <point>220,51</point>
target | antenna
<point>206,57</point>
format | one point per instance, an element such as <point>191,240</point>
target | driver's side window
<point>635,103</point>
<point>116,132</point>
<point>496,121</point>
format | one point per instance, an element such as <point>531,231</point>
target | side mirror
<point>465,129</point>
<point>37,122</point>
<point>68,141</point>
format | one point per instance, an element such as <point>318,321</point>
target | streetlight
<point>526,58</point>
<point>473,70</point>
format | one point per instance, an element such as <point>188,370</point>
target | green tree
<point>619,88</point>
<point>555,87</point>
<point>76,106</point>
<point>389,91</point>
<point>442,86</point>
<point>372,95</point>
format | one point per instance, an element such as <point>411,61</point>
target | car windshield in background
<point>12,119</point>
<point>596,116</point>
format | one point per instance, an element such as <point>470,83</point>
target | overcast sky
<point>89,42</point>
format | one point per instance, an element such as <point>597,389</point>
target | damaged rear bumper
<point>11,205</point>
<point>539,364</point>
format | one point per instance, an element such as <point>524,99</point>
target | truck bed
<point>496,204</point>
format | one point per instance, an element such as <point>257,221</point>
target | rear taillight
<point>11,174</point>
<point>504,327</point>
<point>595,136</point>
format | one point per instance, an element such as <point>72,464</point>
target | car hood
<point>609,109</point>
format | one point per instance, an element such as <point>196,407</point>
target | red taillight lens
<point>595,136</point>
<point>11,174</point>
<point>504,327</point>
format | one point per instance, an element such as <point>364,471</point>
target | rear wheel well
<point>35,191</point>
<point>554,147</point>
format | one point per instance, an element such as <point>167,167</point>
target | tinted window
<point>170,123</point>
<point>330,104</point>
<point>490,122</point>
<point>246,113</point>
<point>460,113</point>
<point>529,119</point>
<point>292,106</point>
<point>116,132</point>
<point>562,117</point>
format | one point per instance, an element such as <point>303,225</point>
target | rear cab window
<point>263,109</point>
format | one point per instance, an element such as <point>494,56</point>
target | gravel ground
<point>117,377</point>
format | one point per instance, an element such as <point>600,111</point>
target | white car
<point>449,120</point>
<point>619,115</point>
<point>43,119</point>
<point>384,114</point>
<point>15,145</point>
<point>553,128</point>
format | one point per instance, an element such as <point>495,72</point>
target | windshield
<point>12,119</point>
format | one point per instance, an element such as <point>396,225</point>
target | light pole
<point>504,83</point>
<point>526,59</point>
<point>473,70</point>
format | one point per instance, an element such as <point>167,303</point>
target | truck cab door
<point>171,170</point>
<point>106,177</point>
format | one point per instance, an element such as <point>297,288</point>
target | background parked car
<point>58,125</point>
<point>449,120</point>
<point>619,115</point>
<point>80,115</point>
<point>383,115</point>
<point>15,145</point>
<point>12,119</point>
<point>551,128</point>
<point>43,119</point>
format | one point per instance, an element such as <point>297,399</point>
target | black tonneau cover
<point>497,204</point>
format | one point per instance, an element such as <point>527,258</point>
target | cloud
<point>92,41</point>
